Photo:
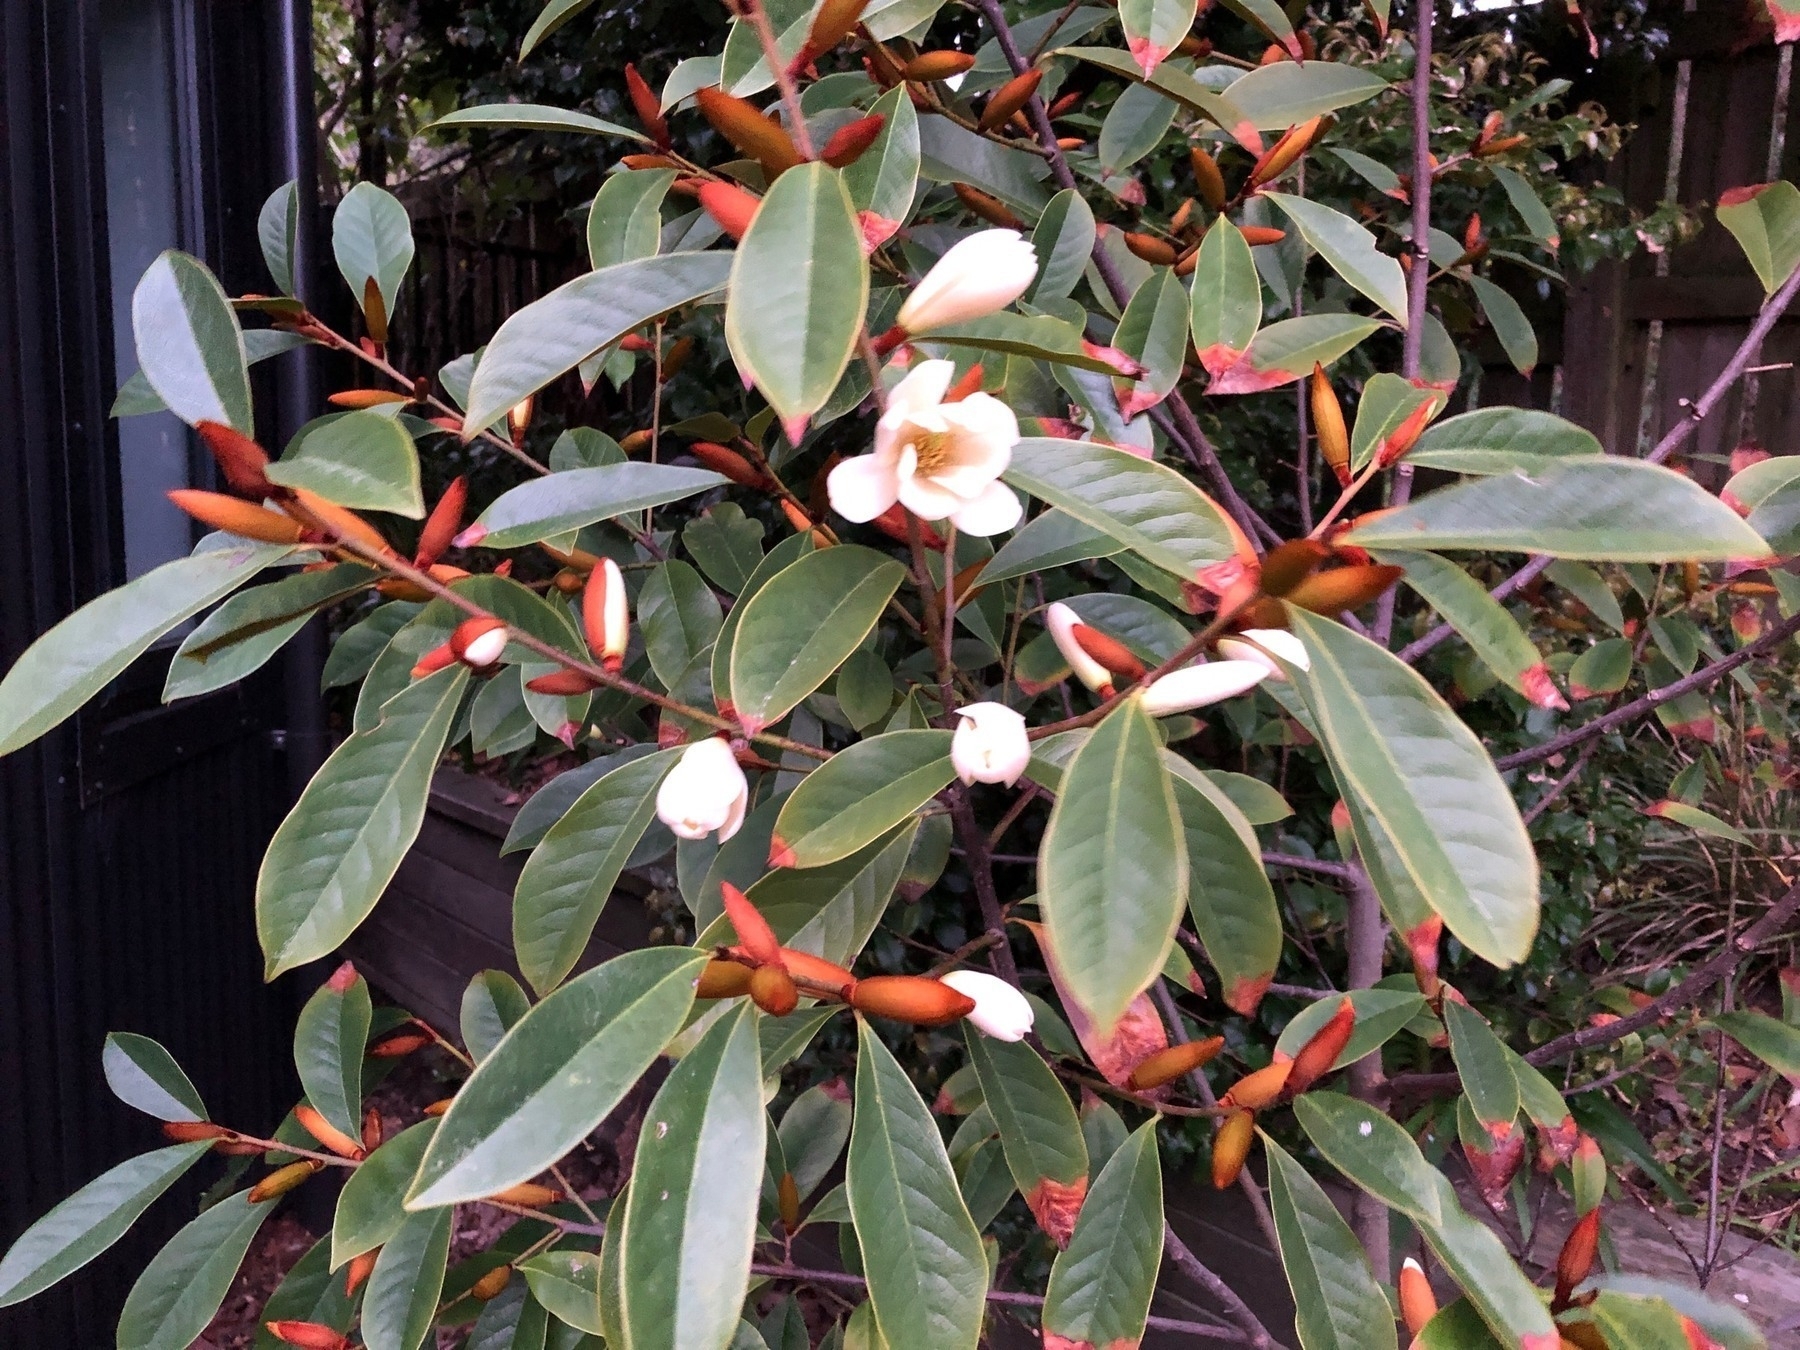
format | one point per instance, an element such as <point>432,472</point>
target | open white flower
<point>705,791</point>
<point>989,745</point>
<point>1263,645</point>
<point>977,276</point>
<point>1061,621</point>
<point>936,459</point>
<point>1196,686</point>
<point>1000,1010</point>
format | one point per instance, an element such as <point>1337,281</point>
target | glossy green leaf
<point>1765,220</point>
<point>985,1180</point>
<point>1135,125</point>
<point>1285,93</point>
<point>552,17</point>
<point>358,647</point>
<point>1227,297</point>
<point>813,1133</point>
<point>1532,211</point>
<point>921,1252</point>
<point>1154,332</point>
<point>534,117</point>
<point>1371,1150</point>
<point>241,635</point>
<point>1340,1305</point>
<point>1482,1064</point>
<point>1727,1325</point>
<point>136,397</point>
<point>690,1215</point>
<point>369,1210</point>
<point>1482,621</point>
<point>1113,868</point>
<point>1457,1327</point>
<point>1604,507</point>
<point>679,617</point>
<point>625,221</point>
<point>1100,1285</point>
<point>363,460</point>
<point>884,178</point>
<point>371,238</point>
<point>557,1074</point>
<point>277,224</point>
<point>1604,668</point>
<point>401,1302</point>
<point>1385,403</point>
<point>1288,350</point>
<point>1228,895</point>
<point>1478,1261</point>
<point>1514,331</point>
<point>491,1004</point>
<point>864,689</point>
<point>91,1220</point>
<point>1501,440</point>
<point>77,658</point>
<point>949,153</point>
<point>567,1283</point>
<point>1038,1126</point>
<point>1269,18</point>
<point>799,289</point>
<point>329,1040</point>
<point>578,319</point>
<point>1414,767</point>
<point>1064,241</point>
<point>143,1074</point>
<point>309,1292</point>
<point>1153,28</point>
<point>1349,250</point>
<point>1589,587</point>
<point>1381,1014</point>
<point>801,626</point>
<point>182,1287</point>
<point>861,793</point>
<point>513,1320</point>
<point>1770,1039</point>
<point>339,847</point>
<point>1146,506</point>
<point>189,346</point>
<point>562,503</point>
<point>1697,820</point>
<point>1049,540</point>
<point>727,544</point>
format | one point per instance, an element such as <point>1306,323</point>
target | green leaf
<point>861,793</point>
<point>1589,587</point>
<point>1501,440</point>
<point>1457,1327</point>
<point>358,647</point>
<point>143,1074</point>
<point>1701,822</point>
<point>690,1215</point>
<point>1373,1151</point>
<point>551,802</point>
<point>570,874</point>
<point>885,177</point>
<point>402,1299</point>
<point>561,503</point>
<point>329,1040</point>
<point>371,238</point>
<point>1604,668</point>
<point>183,1286</point>
<point>1285,93</point>
<point>568,1284</point>
<point>341,843</point>
<point>625,221</point>
<point>240,636</point>
<point>513,1320</point>
<point>136,397</point>
<point>1051,539</point>
<point>949,153</point>
<point>363,460</point>
<point>552,17</point>
<point>787,552</point>
<point>1229,896</point>
<point>921,1252</point>
<point>1100,1286</point>
<point>77,658</point>
<point>369,1210</point>
<point>1622,510</point>
<point>1725,1324</point>
<point>1152,30</point>
<point>1287,351</point>
<point>534,117</point>
<point>1421,774</point>
<point>276,226</point>
<point>1770,1039</point>
<point>91,1220</point>
<point>1349,250</point>
<point>1039,1130</point>
<point>864,689</point>
<point>1147,507</point>
<point>1227,297</point>
<point>1064,241</point>
<point>189,346</point>
<point>1511,327</point>
<point>679,617</point>
<point>1381,1014</point>
<point>1341,1307</point>
<point>1532,211</point>
<point>801,626</point>
<point>1386,402</point>
<point>1480,1263</point>
<point>1765,219</point>
<point>491,1004</point>
<point>309,1292</point>
<point>1113,868</point>
<point>799,288</point>
<point>576,320</point>
<point>1042,337</point>
<point>813,1133</point>
<point>1487,1076</point>
<point>1482,621</point>
<point>1153,331</point>
<point>727,544</point>
<point>557,1074</point>
<point>831,911</point>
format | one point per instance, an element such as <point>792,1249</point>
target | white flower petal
<point>995,511</point>
<point>862,488</point>
<point>1061,621</point>
<point>1000,1010</point>
<point>990,745</point>
<point>924,498</point>
<point>977,276</point>
<point>1197,686</point>
<point>1250,645</point>
<point>924,387</point>
<point>705,791</point>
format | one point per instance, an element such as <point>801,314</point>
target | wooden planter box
<point>448,913</point>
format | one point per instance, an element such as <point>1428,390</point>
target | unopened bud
<point>834,22</point>
<point>720,978</point>
<point>1407,434</point>
<point>1577,1257</point>
<point>399,1046</point>
<point>1320,1053</point>
<point>815,970</point>
<point>606,615</point>
<point>307,1335</point>
<point>910,998</point>
<point>1159,252</point>
<point>433,661</point>
<point>444,523</point>
<point>491,1285</point>
<point>371,1129</point>
<point>1331,593</point>
<point>358,1270</point>
<point>989,208</point>
<point>744,125</point>
<point>1418,1305</point>
<point>528,1195</point>
<point>479,643</point>
<point>326,1133</point>
<point>848,142</point>
<point>562,684</point>
<point>1114,655</point>
<point>722,459</point>
<point>753,931</point>
<point>1280,157</point>
<point>787,1201</point>
<point>1207,179</point>
<point>1009,98</point>
<point>1257,235</point>
<point>236,516</point>
<point>339,522</point>
<point>193,1131</point>
<point>1262,1088</point>
<point>358,399</point>
<point>940,65</point>
<point>284,1179</point>
<point>1328,425</point>
<point>1286,565</point>
<point>241,460</point>
<point>731,206</point>
<point>772,989</point>
<point>1501,146</point>
<point>648,108</point>
<point>1165,1066</point>
<point>439,1107</point>
<point>1231,1146</point>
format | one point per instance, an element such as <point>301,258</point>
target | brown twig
<point>1255,1333</point>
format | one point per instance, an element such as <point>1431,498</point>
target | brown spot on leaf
<point>1055,1205</point>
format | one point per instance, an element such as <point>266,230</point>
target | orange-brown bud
<point>648,162</point>
<point>241,460</point>
<point>562,684</point>
<point>1262,1088</point>
<point>1577,1256</point>
<point>399,1046</point>
<point>970,383</point>
<point>1257,235</point>
<point>358,1270</point>
<point>647,107</point>
<point>439,1107</point>
<point>284,1179</point>
<point>834,22</point>
<point>1165,1066</point>
<point>787,1201</point>
<point>1491,126</point>
<point>910,998</point>
<point>1344,588</point>
<point>1328,425</point>
<point>730,205</point>
<point>307,1335</point>
<point>630,443</point>
<point>1422,942</point>
<point>1501,146</point>
<point>606,616</point>
<point>375,315</point>
<point>720,978</point>
<point>1320,1052</point>
<point>1406,435</point>
<point>1286,565</point>
<point>1280,157</point>
<point>743,124</point>
<point>371,1129</point>
<point>327,1134</point>
<point>357,399</point>
<point>443,524</point>
<point>490,1285</point>
<point>433,661</point>
<point>1009,98</point>
<point>753,931</point>
<point>1186,262</point>
<point>1231,1146</point>
<point>1159,252</point>
<point>815,969</point>
<point>236,516</point>
<point>848,142</point>
<point>990,209</point>
<point>1418,1305</point>
<point>193,1131</point>
<point>338,521</point>
<point>772,989</point>
<point>893,523</point>
<point>1108,651</point>
<point>722,459</point>
<point>940,65</point>
<point>479,643</point>
<point>528,1194</point>
<point>1207,178</point>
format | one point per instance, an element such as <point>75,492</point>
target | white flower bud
<point>977,276</point>
<point>990,744</point>
<point>1196,686</point>
<point>705,791</point>
<point>1061,621</point>
<point>1263,645</point>
<point>1000,1010</point>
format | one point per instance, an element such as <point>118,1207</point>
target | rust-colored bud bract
<point>491,1285</point>
<point>1576,1259</point>
<point>1286,565</point>
<point>1165,1066</point>
<point>1207,179</point>
<point>236,516</point>
<point>1009,98</point>
<point>849,141</point>
<point>1262,1088</point>
<point>1231,1146</point>
<point>1109,652</point>
<point>326,1133</point>
<point>910,998</point>
<point>1320,1052</point>
<point>773,990</point>
<point>241,460</point>
<point>284,1179</point>
<point>731,206</point>
<point>720,978</point>
<point>940,65</point>
<point>307,1335</point>
<point>744,125</point>
<point>527,1194</point>
<point>648,109</point>
<point>443,524</point>
<point>753,931</point>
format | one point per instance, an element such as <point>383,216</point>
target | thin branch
<point>1254,1332</point>
<point>1294,862</point>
